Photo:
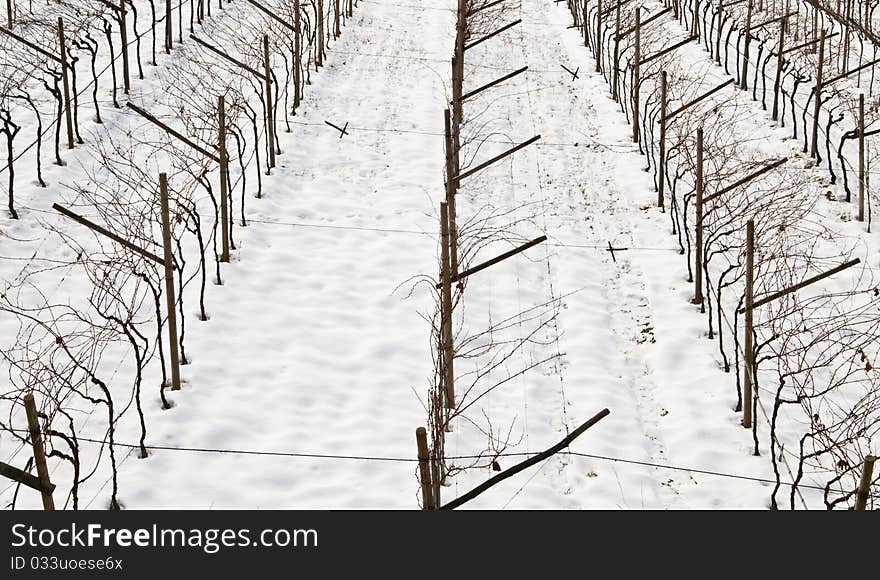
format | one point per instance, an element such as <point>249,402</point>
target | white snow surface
<point>317,342</point>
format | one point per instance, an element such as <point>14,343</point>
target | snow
<point>317,341</point>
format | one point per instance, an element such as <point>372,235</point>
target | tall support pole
<point>864,490</point>
<point>636,74</point>
<point>9,14</point>
<point>224,177</point>
<point>777,83</point>
<point>748,355</point>
<point>169,31</point>
<point>319,56</point>
<point>817,95</point>
<point>65,81</point>
<point>123,31</point>
<point>598,52</point>
<point>616,63</point>
<point>270,113</point>
<point>448,353</point>
<point>424,469</point>
<point>661,166</point>
<point>170,300</point>
<point>861,157</point>
<point>718,35</point>
<point>698,248</point>
<point>746,42</point>
<point>297,57</point>
<point>451,187</point>
<point>39,450</point>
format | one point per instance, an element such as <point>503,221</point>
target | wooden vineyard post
<point>748,355</point>
<point>814,149</point>
<point>169,31</point>
<point>746,42</point>
<point>270,114</point>
<point>586,23</point>
<point>39,451</point>
<point>698,249</point>
<point>297,57</point>
<point>865,483</point>
<point>448,353</point>
<point>450,193</point>
<point>224,176</point>
<point>319,56</point>
<point>636,75</point>
<point>424,470</point>
<point>718,36</point>
<point>598,53</point>
<point>170,301</point>
<point>9,14</point>
<point>123,31</point>
<point>861,157</point>
<point>336,30</point>
<point>777,83</point>
<point>661,166</point>
<point>65,80</point>
<point>616,63</point>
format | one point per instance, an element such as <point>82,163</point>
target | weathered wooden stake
<point>336,30</point>
<point>297,57</point>
<point>814,150</point>
<point>661,166</point>
<point>718,36</point>
<point>777,83</point>
<point>451,190</point>
<point>319,57</point>
<point>65,80</point>
<point>747,41</point>
<point>39,451</point>
<point>698,249</point>
<point>748,355</point>
<point>9,14</point>
<point>616,63</point>
<point>123,31</point>
<point>864,490</point>
<point>861,157</point>
<point>270,113</point>
<point>598,53</point>
<point>636,74</point>
<point>224,176</point>
<point>170,300</point>
<point>169,31</point>
<point>448,353</point>
<point>424,469</point>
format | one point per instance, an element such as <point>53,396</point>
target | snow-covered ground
<point>316,342</point>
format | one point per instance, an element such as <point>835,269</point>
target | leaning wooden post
<point>169,283</point>
<point>616,63</point>
<point>661,166</point>
<point>224,176</point>
<point>297,57</point>
<point>777,84</point>
<point>698,250</point>
<point>169,32</point>
<point>748,356</point>
<point>123,31</point>
<point>861,157</point>
<point>270,113</point>
<point>636,75</point>
<point>448,353</point>
<point>864,490</point>
<point>814,150</point>
<point>39,451</point>
<point>747,41</point>
<point>65,80</point>
<point>451,187</point>
<point>424,470</point>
